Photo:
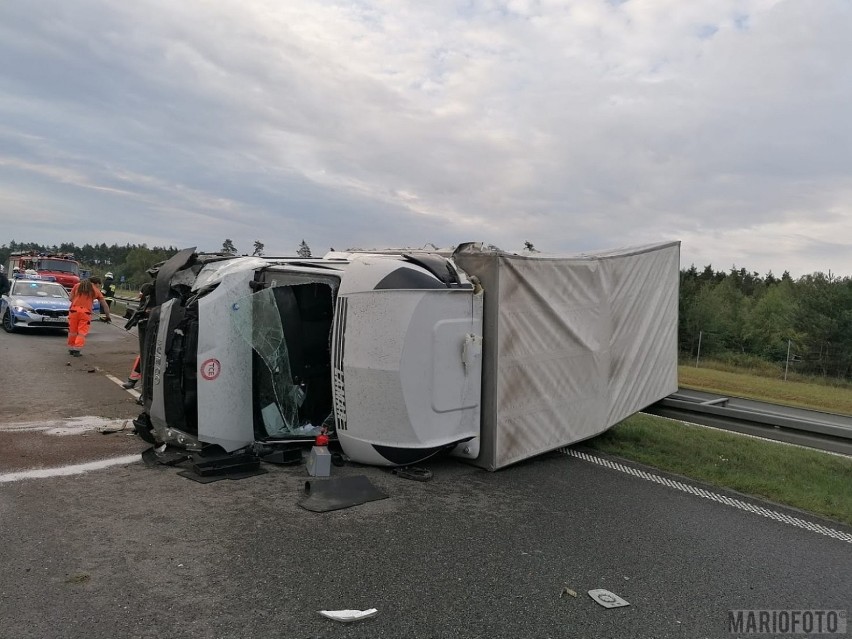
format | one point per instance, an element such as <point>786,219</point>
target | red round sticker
<point>210,369</point>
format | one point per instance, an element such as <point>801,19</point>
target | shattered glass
<point>259,324</point>
<point>290,404</point>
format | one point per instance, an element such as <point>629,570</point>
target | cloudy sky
<point>574,124</point>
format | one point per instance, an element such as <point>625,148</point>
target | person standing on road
<point>83,297</point>
<point>109,289</point>
<point>5,287</point>
<point>142,311</point>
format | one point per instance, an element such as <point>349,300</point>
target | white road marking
<point>706,494</point>
<point>115,379</point>
<point>76,469</point>
<point>71,426</point>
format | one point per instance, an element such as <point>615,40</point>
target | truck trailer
<point>489,356</point>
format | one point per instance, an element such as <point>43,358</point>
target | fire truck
<point>61,266</point>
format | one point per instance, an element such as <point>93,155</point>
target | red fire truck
<point>62,266</point>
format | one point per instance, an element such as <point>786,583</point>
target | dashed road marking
<point>706,494</point>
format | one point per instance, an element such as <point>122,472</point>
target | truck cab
<point>383,350</point>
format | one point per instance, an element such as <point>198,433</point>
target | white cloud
<point>576,125</point>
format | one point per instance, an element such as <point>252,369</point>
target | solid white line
<point>62,471</point>
<point>706,494</point>
<point>113,378</point>
<point>134,393</point>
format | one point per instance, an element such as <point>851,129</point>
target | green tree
<point>138,261</point>
<point>769,324</point>
<point>228,247</point>
<point>258,248</point>
<point>824,323</point>
<point>304,250</point>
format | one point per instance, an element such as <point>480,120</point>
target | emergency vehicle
<point>34,301</point>
<point>61,266</point>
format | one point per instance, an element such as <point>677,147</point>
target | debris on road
<point>415,473</point>
<point>108,430</point>
<point>338,493</point>
<point>607,599</point>
<point>345,616</point>
<point>567,591</point>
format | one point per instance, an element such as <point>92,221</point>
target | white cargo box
<point>572,345</point>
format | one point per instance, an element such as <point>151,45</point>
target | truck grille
<point>338,337</point>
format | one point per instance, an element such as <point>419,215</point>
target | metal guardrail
<point>824,431</point>
<point>131,305</point>
<point>125,299</point>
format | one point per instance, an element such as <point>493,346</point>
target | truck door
<point>407,366</point>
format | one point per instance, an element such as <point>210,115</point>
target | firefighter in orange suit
<point>83,297</point>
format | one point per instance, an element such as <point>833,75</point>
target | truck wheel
<point>8,322</point>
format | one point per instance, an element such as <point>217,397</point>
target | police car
<point>34,301</point>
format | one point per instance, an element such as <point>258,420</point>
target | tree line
<point>130,261</point>
<point>737,315</point>
<point>740,315</point>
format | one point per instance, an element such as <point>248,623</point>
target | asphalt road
<point>132,551</point>
<point>41,384</point>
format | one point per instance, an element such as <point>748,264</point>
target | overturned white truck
<point>492,356</point>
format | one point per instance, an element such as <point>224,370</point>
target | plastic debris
<point>339,492</point>
<point>345,616</point>
<point>607,599</point>
<point>413,472</point>
<point>108,430</point>
<point>567,591</point>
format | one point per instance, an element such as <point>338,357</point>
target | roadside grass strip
<point>802,394</point>
<point>706,494</point>
<point>807,479</point>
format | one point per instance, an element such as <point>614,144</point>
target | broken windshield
<point>289,330</point>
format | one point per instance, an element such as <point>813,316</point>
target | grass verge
<point>797,477</point>
<point>827,398</point>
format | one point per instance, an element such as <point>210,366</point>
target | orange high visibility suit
<point>80,315</point>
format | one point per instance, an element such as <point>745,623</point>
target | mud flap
<point>339,492</point>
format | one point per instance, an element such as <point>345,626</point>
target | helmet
<point>2,269</point>
<point>108,276</point>
<point>15,269</point>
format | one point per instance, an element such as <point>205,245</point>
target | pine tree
<point>304,249</point>
<point>258,248</point>
<point>228,247</point>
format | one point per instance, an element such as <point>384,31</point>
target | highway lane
<point>41,384</point>
<point>131,551</point>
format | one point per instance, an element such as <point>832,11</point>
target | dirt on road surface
<point>54,408</point>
